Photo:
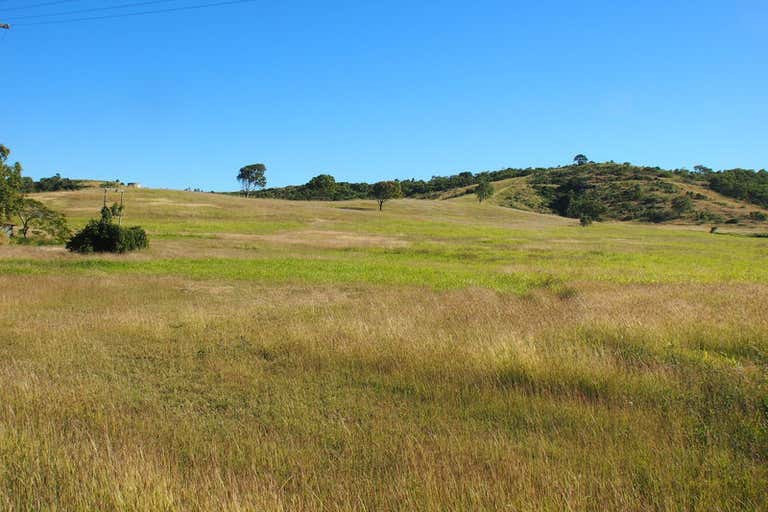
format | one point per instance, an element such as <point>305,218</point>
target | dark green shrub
<point>760,216</point>
<point>657,215</point>
<point>707,216</point>
<point>681,205</point>
<point>585,206</point>
<point>106,236</point>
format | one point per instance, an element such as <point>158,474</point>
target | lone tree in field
<point>580,159</point>
<point>252,177</point>
<point>385,190</point>
<point>484,190</point>
<point>34,215</point>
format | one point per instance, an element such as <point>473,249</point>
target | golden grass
<point>164,391</point>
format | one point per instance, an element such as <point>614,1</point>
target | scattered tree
<point>484,190</point>
<point>56,183</point>
<point>35,216</point>
<point>322,186</point>
<point>11,185</point>
<point>386,190</point>
<point>252,177</point>
<point>580,159</point>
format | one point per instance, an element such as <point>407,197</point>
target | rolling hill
<point>625,194</point>
<point>610,191</point>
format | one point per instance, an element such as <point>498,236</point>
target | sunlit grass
<point>265,355</point>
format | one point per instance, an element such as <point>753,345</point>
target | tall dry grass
<point>439,355</point>
<point>161,393</point>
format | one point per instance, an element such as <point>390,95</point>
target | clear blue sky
<point>381,90</point>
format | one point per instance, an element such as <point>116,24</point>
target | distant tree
<point>484,190</point>
<point>465,178</point>
<point>11,185</point>
<point>251,177</point>
<point>56,183</point>
<point>322,186</point>
<point>27,185</point>
<point>386,190</point>
<point>702,169</point>
<point>580,159</point>
<point>34,215</point>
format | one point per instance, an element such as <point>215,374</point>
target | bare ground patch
<point>322,239</point>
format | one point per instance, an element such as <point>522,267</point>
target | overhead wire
<point>91,9</point>
<point>44,4</point>
<point>133,14</point>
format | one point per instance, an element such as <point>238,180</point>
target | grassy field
<point>438,355</point>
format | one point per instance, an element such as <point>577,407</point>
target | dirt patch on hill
<point>323,239</point>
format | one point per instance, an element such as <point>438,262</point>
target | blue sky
<point>381,90</point>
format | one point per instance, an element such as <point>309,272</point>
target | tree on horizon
<point>252,177</point>
<point>386,190</point>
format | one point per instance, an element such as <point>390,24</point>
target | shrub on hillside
<point>105,236</point>
<point>707,216</point>
<point>585,206</point>
<point>742,184</point>
<point>658,215</point>
<point>681,205</point>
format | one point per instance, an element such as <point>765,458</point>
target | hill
<point>438,355</point>
<point>625,193</point>
<point>611,191</point>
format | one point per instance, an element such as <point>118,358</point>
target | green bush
<point>106,236</point>
<point>657,214</point>
<point>707,216</point>
<point>681,205</point>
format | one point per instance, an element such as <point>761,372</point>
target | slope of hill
<point>623,192</point>
<point>609,190</point>
<point>438,355</point>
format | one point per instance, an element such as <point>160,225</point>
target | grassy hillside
<point>625,192</point>
<point>438,355</point>
<point>608,190</point>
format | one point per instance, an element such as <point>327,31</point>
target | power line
<point>141,13</point>
<point>92,9</point>
<point>44,4</point>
